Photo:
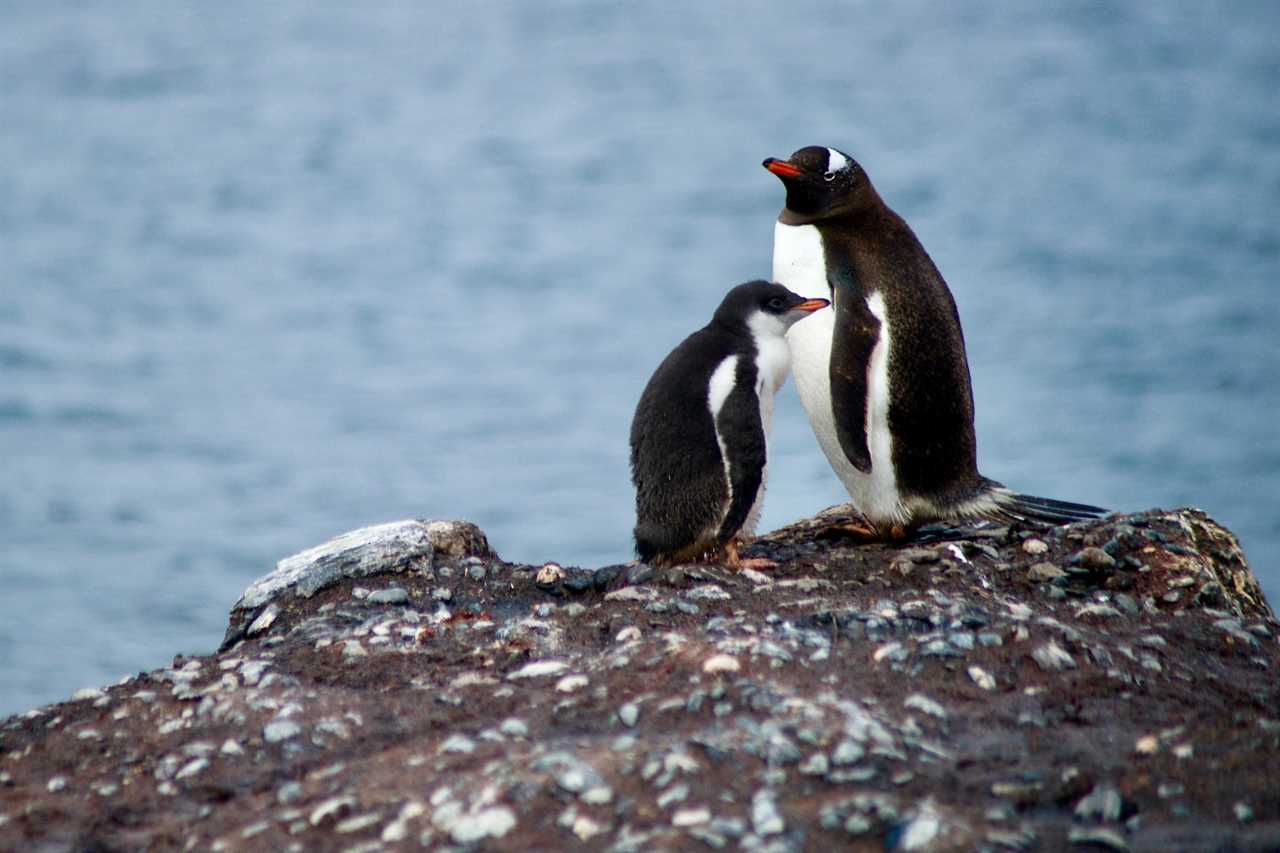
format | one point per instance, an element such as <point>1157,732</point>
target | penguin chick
<point>698,438</point>
<point>883,375</point>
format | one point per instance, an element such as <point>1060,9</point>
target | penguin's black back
<point>676,464</point>
<point>931,405</point>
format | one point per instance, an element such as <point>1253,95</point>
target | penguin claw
<point>733,561</point>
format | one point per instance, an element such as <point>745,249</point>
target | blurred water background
<point>270,272</point>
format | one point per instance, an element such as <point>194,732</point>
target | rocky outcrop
<point>1110,685</point>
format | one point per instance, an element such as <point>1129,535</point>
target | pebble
<point>331,809</point>
<point>1051,657</point>
<point>279,730</point>
<point>720,663</point>
<point>442,593</point>
<point>629,714</point>
<point>597,796</point>
<point>627,634</point>
<point>586,828</point>
<point>1034,547</point>
<point>982,678</point>
<point>708,592</point>
<point>398,829</point>
<point>549,574</point>
<point>847,752</point>
<point>459,744</point>
<point>1126,603</point>
<point>289,792</point>
<point>1102,803</point>
<point>1041,572</point>
<point>571,683</point>
<point>192,768</point>
<point>359,822</point>
<point>691,817</point>
<point>1097,609</point>
<point>56,784</point>
<point>264,621</point>
<point>1243,813</point>
<point>940,649</point>
<point>893,651</point>
<point>1099,836</point>
<point>1147,745</point>
<point>390,595</point>
<point>492,822</point>
<point>514,727</point>
<point>539,669</point>
<point>675,794</point>
<point>1094,558</point>
<point>924,704</point>
<point>816,765</point>
<point>86,693</point>
<point>922,830</point>
<point>765,817</point>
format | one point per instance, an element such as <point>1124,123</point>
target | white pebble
<point>279,730</point>
<point>539,669</point>
<point>721,663</point>
<point>570,683</point>
<point>924,704</point>
<point>982,678</point>
<point>1035,547</point>
<point>691,817</point>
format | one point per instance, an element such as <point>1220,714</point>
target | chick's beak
<point>782,168</point>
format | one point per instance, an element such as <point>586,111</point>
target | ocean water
<point>270,272</point>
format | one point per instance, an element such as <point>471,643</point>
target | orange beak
<point>811,305</point>
<point>782,168</point>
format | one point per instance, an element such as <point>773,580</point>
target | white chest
<point>800,264</point>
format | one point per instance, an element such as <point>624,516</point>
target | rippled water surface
<point>269,272</point>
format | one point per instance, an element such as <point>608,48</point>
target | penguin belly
<point>773,360</point>
<point>799,263</point>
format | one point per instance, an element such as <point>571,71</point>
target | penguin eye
<point>776,303</point>
<point>828,176</point>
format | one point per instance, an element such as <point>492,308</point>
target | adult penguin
<point>883,375</point>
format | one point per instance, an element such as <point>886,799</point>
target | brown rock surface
<point>408,688</point>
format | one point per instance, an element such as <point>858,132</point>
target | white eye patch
<point>835,160</point>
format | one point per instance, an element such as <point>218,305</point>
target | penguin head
<point>822,182</point>
<point>764,308</point>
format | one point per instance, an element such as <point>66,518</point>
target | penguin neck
<point>772,359</point>
<point>799,262</point>
<point>865,203</point>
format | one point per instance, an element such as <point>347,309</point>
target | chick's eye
<point>828,176</point>
<point>776,303</point>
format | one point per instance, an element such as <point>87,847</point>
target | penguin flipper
<point>852,341</point>
<point>742,440</point>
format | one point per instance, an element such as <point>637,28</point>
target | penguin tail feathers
<point>1045,509</point>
